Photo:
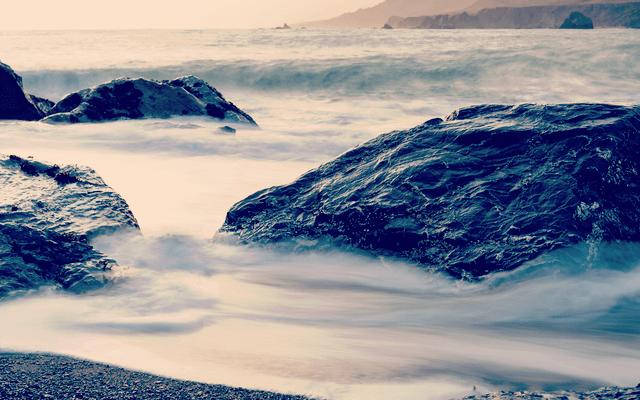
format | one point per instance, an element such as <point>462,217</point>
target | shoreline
<point>52,376</point>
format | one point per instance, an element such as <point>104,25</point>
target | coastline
<point>51,376</point>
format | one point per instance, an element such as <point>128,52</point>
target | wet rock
<point>126,98</point>
<point>14,102</point>
<point>30,258</point>
<point>48,216</point>
<point>44,105</point>
<point>577,20</point>
<point>486,189</point>
<point>387,26</point>
<point>226,130</point>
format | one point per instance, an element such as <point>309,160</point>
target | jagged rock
<point>387,26</point>
<point>285,26</point>
<point>48,215</point>
<point>577,20</point>
<point>14,102</point>
<point>484,190</point>
<point>44,105</point>
<point>126,98</point>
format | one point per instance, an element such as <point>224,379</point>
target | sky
<point>183,14</point>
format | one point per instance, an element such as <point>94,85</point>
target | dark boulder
<point>14,102</point>
<point>48,216</point>
<point>577,20</point>
<point>484,190</point>
<point>126,98</point>
<point>387,26</point>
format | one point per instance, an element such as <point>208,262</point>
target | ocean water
<point>331,324</point>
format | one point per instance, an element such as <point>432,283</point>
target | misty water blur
<point>326,323</point>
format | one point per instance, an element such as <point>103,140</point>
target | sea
<point>330,324</point>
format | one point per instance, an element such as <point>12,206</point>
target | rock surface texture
<point>484,190</point>
<point>14,102</point>
<point>48,215</point>
<point>577,20</point>
<point>126,98</point>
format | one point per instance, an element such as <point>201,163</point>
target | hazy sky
<point>183,14</point>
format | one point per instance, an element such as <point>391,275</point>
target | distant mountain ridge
<point>378,15</point>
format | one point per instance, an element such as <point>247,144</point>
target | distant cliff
<point>538,17</point>
<point>378,15</point>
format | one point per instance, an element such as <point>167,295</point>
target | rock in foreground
<point>14,102</point>
<point>48,215</point>
<point>126,98</point>
<point>484,190</point>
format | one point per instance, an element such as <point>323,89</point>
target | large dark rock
<point>577,20</point>
<point>484,190</point>
<point>14,102</point>
<point>48,216</point>
<point>126,98</point>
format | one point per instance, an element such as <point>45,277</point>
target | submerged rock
<point>577,20</point>
<point>48,215</point>
<point>226,130</point>
<point>14,102</point>
<point>484,190</point>
<point>126,98</point>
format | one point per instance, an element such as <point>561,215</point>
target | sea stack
<point>577,20</point>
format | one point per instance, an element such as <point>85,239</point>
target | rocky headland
<point>538,17</point>
<point>122,98</point>
<point>48,216</point>
<point>485,189</point>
